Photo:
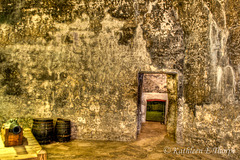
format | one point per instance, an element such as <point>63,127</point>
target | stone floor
<point>152,144</point>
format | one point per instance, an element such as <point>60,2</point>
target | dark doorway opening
<point>156,110</point>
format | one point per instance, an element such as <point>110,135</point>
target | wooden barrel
<point>63,130</point>
<point>42,129</point>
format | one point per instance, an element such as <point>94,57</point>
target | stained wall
<point>80,59</point>
<point>208,115</point>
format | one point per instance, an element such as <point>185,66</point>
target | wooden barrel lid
<point>42,119</point>
<point>62,119</point>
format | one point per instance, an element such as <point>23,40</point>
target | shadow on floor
<point>152,144</point>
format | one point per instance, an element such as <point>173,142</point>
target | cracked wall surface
<point>209,113</point>
<point>80,59</point>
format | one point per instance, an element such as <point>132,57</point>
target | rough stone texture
<point>213,127</point>
<point>163,35</point>
<point>211,74</point>
<point>80,59</point>
<point>172,87</point>
<point>154,83</point>
<point>71,66</point>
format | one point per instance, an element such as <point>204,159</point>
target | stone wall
<point>172,88</point>
<point>208,115</point>
<point>64,59</point>
<point>80,59</point>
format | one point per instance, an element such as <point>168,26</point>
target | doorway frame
<point>139,99</point>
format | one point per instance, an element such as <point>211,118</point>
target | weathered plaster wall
<point>172,88</point>
<point>73,67</point>
<point>80,59</point>
<point>208,115</point>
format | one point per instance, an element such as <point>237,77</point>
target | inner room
<point>155,89</point>
<point>156,111</point>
